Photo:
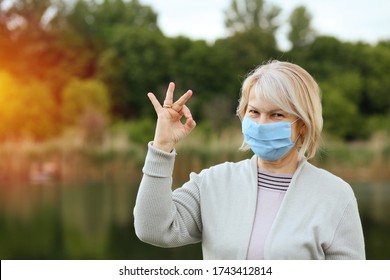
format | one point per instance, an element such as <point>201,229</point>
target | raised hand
<point>169,129</point>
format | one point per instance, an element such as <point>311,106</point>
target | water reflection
<point>93,220</point>
<point>374,206</point>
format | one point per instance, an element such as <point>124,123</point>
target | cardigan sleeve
<point>163,217</point>
<point>348,241</point>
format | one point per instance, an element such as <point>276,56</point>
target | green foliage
<point>142,131</point>
<point>339,155</point>
<point>301,33</point>
<point>134,64</point>
<point>205,70</point>
<point>38,45</point>
<point>377,80</point>
<point>341,116</point>
<point>96,20</point>
<point>248,49</point>
<point>379,122</point>
<point>128,44</point>
<point>86,103</point>
<point>27,109</point>
<point>252,14</point>
<point>79,96</point>
<point>386,153</point>
<point>118,45</point>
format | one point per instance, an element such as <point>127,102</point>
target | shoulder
<point>323,181</point>
<point>232,167</point>
<point>227,172</point>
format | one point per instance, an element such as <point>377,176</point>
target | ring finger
<point>178,105</point>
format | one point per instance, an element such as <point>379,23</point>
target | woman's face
<point>266,112</point>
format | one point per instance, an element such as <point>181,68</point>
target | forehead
<point>260,102</point>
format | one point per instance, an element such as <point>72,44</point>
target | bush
<point>141,131</point>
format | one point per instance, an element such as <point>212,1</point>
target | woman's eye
<point>253,112</point>
<point>278,115</point>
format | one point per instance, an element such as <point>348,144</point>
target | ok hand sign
<point>169,129</point>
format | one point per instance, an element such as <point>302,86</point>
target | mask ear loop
<point>296,140</point>
<point>295,120</point>
<point>299,135</point>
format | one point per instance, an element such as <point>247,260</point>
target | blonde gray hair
<point>293,90</point>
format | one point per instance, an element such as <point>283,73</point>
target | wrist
<point>164,147</point>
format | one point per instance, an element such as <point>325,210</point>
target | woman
<point>275,205</point>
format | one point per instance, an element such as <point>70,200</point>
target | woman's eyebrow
<point>253,107</point>
<point>276,111</point>
<point>266,110</point>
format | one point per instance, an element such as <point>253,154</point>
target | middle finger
<point>169,96</point>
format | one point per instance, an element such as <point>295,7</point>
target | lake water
<point>93,220</point>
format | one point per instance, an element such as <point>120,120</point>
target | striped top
<point>271,191</point>
<point>272,181</point>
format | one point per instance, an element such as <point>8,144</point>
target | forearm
<point>158,219</point>
<point>348,242</point>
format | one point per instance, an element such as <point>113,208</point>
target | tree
<point>40,47</point>
<point>86,103</point>
<point>131,50</point>
<point>28,17</point>
<point>377,82</point>
<point>27,109</point>
<point>81,96</point>
<point>342,96</point>
<point>323,58</point>
<point>301,33</point>
<point>250,14</point>
<point>95,20</point>
<point>136,62</point>
<point>203,68</point>
<point>341,115</point>
<point>248,49</point>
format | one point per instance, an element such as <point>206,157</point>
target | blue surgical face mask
<point>269,141</point>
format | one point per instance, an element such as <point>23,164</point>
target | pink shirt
<point>271,191</point>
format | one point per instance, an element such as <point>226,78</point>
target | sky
<point>347,20</point>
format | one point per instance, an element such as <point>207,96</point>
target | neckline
<point>277,175</point>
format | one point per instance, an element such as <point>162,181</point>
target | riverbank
<point>69,159</point>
